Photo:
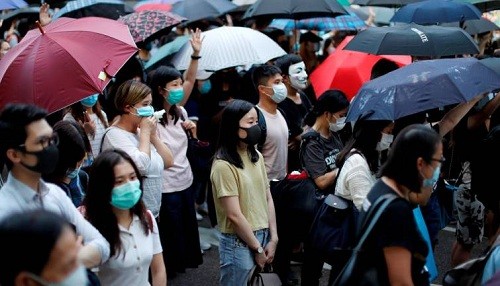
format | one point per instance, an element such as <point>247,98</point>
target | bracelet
<point>195,57</point>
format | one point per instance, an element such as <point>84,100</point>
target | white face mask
<point>280,92</point>
<point>337,125</point>
<point>385,142</point>
<point>77,277</point>
<point>298,75</point>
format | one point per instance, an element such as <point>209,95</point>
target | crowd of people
<point>104,192</point>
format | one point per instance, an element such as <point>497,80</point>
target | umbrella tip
<point>40,27</point>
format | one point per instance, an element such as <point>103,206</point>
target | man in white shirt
<point>28,147</point>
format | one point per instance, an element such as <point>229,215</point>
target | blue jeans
<point>236,258</point>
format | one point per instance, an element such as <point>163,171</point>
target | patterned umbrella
<point>349,22</point>
<point>147,24</point>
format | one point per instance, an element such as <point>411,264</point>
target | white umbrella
<point>226,47</point>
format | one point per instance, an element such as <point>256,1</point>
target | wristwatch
<point>259,250</point>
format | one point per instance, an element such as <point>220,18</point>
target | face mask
<point>46,160</point>
<point>435,177</point>
<point>385,142</point>
<point>90,101</point>
<point>206,86</point>
<point>145,111</point>
<point>338,125</point>
<point>279,92</point>
<point>76,278</point>
<point>72,173</point>
<point>175,95</point>
<point>127,195</point>
<point>253,134</point>
<point>298,76</point>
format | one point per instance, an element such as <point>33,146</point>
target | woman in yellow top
<point>243,202</point>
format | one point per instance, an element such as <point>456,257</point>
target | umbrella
<point>383,15</point>
<point>349,22</point>
<point>436,11</point>
<point>421,86</point>
<point>145,25</point>
<point>69,60</point>
<point>474,27</point>
<point>484,5</point>
<point>414,40</point>
<point>26,16</point>
<point>195,10</point>
<point>164,53</point>
<point>384,3</point>
<point>294,9</point>
<point>348,70</point>
<point>12,4</point>
<point>230,46</point>
<point>493,63</point>
<point>111,9</point>
<point>153,6</point>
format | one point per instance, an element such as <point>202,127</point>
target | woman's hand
<point>261,259</point>
<point>189,125</point>
<point>196,41</point>
<point>270,250</point>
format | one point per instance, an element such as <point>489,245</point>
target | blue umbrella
<point>195,10</point>
<point>111,9</point>
<point>12,4</point>
<point>349,22</point>
<point>162,55</point>
<point>421,86</point>
<point>436,11</point>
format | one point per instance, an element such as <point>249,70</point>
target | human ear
<point>13,155</point>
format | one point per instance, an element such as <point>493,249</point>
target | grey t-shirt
<point>320,154</point>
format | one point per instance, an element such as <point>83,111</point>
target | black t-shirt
<point>319,155</point>
<point>396,227</point>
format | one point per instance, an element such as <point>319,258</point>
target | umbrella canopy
<point>145,25</point>
<point>111,9</point>
<point>414,40</point>
<point>164,53</point>
<point>230,46</point>
<point>484,5</point>
<point>12,4</point>
<point>348,70</point>
<point>384,3</point>
<point>195,10</point>
<point>349,22</point>
<point>421,86</point>
<point>436,11</point>
<point>474,27</point>
<point>153,6</point>
<point>493,63</point>
<point>294,9</point>
<point>69,60</point>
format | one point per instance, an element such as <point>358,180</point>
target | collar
<point>24,191</point>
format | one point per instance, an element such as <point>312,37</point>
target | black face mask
<point>253,134</point>
<point>46,160</point>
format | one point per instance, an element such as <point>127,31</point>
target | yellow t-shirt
<point>249,184</point>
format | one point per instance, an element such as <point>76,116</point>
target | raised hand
<point>43,15</point>
<point>196,41</point>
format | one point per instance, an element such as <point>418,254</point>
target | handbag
<point>199,154</point>
<point>264,277</point>
<point>334,228</point>
<point>361,268</point>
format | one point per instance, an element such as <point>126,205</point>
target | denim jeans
<point>236,258</point>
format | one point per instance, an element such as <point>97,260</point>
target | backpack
<point>469,273</point>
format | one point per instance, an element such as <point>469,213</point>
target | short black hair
<point>261,74</point>
<point>13,121</point>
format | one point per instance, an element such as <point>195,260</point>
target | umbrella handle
<point>40,27</point>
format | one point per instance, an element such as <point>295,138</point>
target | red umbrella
<point>153,6</point>
<point>69,59</point>
<point>348,70</point>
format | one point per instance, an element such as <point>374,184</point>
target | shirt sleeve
<point>156,235</point>
<point>116,138</point>
<point>224,179</point>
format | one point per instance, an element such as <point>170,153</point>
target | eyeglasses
<point>44,142</point>
<point>442,160</point>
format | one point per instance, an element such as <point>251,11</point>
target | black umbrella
<point>195,10</point>
<point>111,9</point>
<point>414,40</point>
<point>294,9</point>
<point>474,27</point>
<point>384,3</point>
<point>484,5</point>
<point>26,19</point>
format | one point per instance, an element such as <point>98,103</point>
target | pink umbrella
<point>60,64</point>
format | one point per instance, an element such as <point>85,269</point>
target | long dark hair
<point>413,142</point>
<point>98,209</point>
<point>364,138</point>
<point>159,79</point>
<point>332,100</point>
<point>77,110</point>
<point>228,134</point>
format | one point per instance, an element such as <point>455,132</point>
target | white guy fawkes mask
<point>298,75</point>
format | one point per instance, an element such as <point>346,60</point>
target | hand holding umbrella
<point>44,16</point>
